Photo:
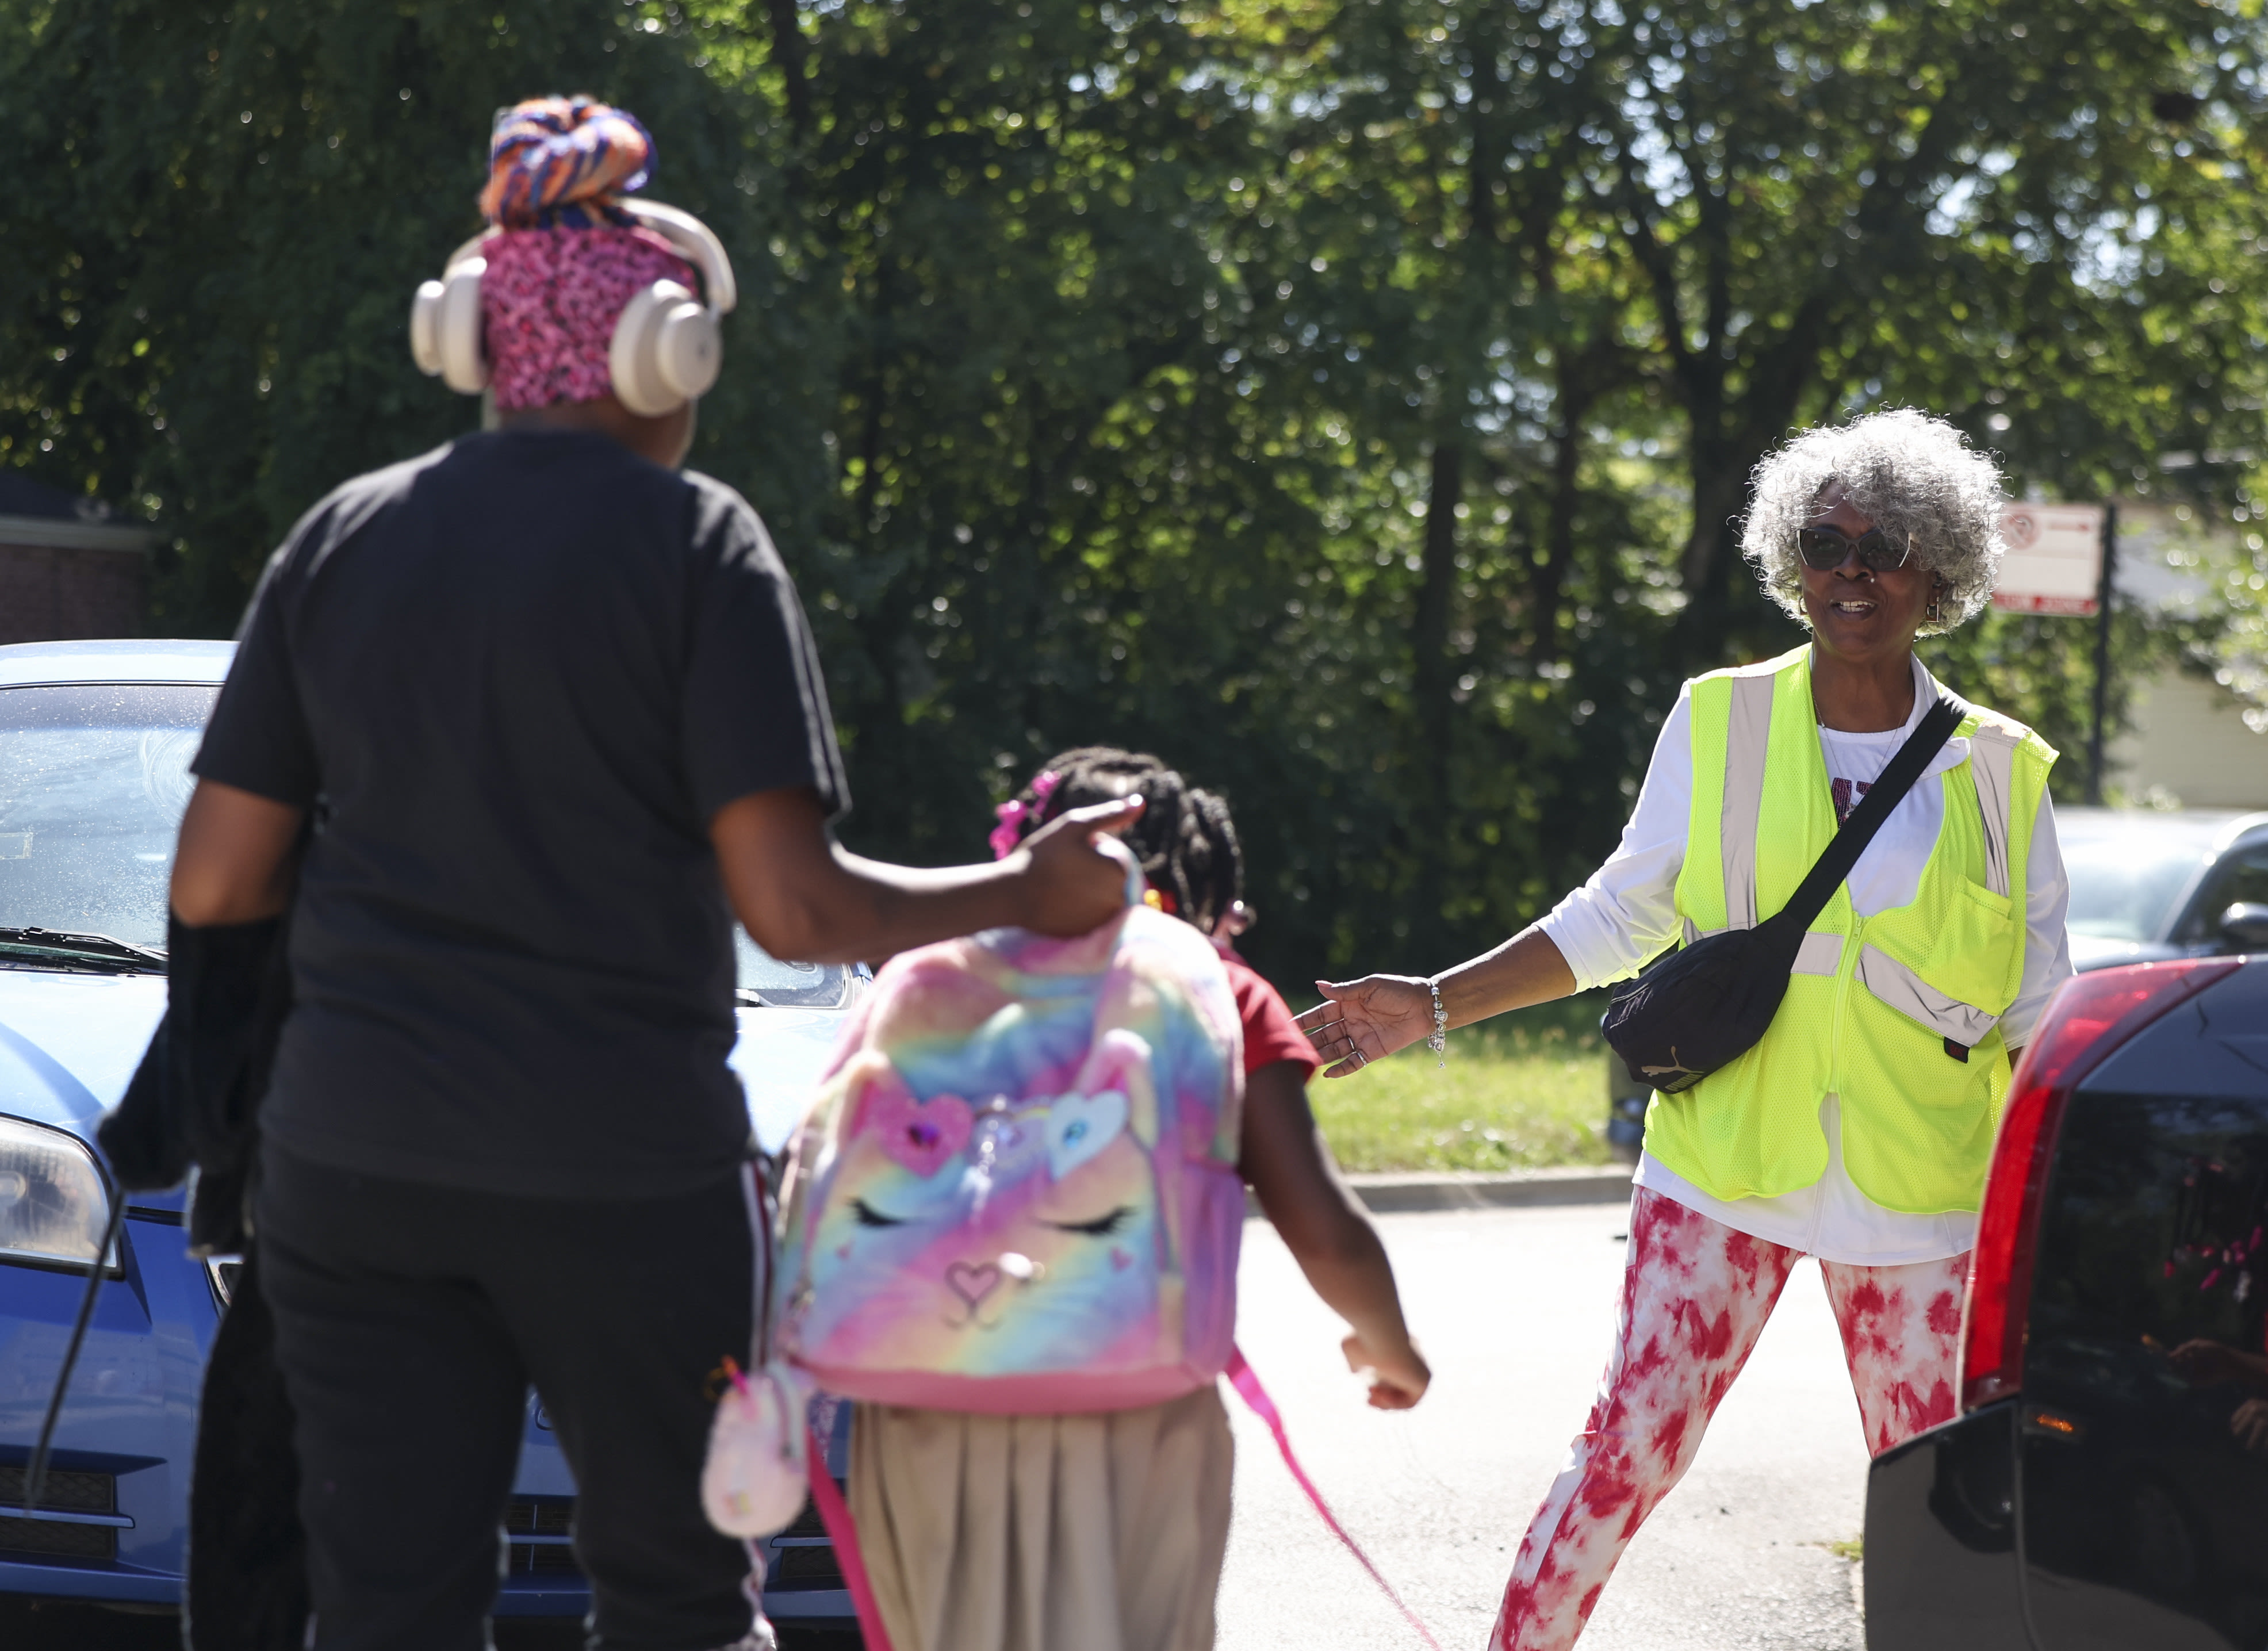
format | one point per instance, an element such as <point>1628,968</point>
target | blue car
<point>95,743</point>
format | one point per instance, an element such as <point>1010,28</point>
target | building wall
<point>2189,745</point>
<point>50,594</point>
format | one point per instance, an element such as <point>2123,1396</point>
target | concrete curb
<point>1401,1193</point>
<point>1471,1189</point>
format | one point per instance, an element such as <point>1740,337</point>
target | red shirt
<point>1271,1035</point>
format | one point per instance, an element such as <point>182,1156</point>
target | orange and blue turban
<point>564,163</point>
<point>570,258</point>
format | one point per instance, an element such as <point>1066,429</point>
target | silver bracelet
<point>1438,1040</point>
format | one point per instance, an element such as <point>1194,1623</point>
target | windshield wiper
<point>66,946</point>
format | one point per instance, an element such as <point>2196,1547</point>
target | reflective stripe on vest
<point>1746,740</point>
<point>1992,758</point>
<point>1914,998</point>
<point>1815,953</point>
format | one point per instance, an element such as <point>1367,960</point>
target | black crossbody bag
<point>1705,1006</point>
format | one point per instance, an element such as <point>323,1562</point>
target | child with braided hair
<point>1107,1531</point>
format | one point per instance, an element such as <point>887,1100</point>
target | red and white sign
<point>2054,564</point>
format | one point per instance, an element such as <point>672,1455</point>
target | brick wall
<point>54,595</point>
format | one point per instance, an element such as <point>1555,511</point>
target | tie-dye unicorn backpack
<point>1018,1189</point>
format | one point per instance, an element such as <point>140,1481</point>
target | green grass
<point>1523,1092</point>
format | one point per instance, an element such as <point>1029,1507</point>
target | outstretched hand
<point>1074,879</point>
<point>1362,1020</point>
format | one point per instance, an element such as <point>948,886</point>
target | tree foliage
<point>1351,399</point>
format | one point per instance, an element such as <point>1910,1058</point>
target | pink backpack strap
<point>1245,1380</point>
<point>836,1515</point>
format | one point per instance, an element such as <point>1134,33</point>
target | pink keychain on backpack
<point>758,1469</point>
<point>754,1479</point>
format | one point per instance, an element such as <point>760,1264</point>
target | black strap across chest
<point>1836,862</point>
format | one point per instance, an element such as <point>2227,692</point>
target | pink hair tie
<point>1012,814</point>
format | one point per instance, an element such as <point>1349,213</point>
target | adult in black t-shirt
<point>555,715</point>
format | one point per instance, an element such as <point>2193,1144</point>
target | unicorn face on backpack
<point>1018,1191</point>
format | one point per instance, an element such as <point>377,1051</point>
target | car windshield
<point>93,778</point>
<point>764,979</point>
<point>2126,874</point>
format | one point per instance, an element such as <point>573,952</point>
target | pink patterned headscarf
<point>567,259</point>
<point>549,301</point>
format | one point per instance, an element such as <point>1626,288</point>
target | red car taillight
<point>2089,1017</point>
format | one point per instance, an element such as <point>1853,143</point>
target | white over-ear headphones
<point>667,346</point>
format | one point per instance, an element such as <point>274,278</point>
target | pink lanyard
<point>1245,1380</point>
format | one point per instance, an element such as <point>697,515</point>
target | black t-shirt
<point>513,679</point>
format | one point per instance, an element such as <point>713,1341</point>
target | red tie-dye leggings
<point>1695,1295</point>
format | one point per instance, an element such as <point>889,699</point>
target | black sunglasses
<point>1824,548</point>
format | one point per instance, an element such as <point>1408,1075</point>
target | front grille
<point>63,1493</point>
<point>790,1568</point>
<point>547,1558</point>
<point>803,1568</point>
<point>808,1523</point>
<point>539,1515</point>
<point>52,1541</point>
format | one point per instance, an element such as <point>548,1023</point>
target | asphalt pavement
<point>1515,1310</point>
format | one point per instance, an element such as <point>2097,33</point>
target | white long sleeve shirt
<point>1627,912</point>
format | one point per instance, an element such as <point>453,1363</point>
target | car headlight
<point>55,1206</point>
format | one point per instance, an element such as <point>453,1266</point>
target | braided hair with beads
<point>1185,840</point>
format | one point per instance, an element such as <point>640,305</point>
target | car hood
<point>69,1042</point>
<point>2088,952</point>
<point>779,1059</point>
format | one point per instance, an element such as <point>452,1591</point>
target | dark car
<point>2105,1483</point>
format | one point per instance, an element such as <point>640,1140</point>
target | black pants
<point>409,1320</point>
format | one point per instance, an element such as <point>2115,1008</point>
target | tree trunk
<point>1720,480</point>
<point>1436,602</point>
<point>1550,579</point>
<point>788,48</point>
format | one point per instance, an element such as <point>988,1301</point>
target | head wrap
<point>566,161</point>
<point>569,258</point>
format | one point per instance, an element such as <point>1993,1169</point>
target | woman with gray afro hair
<point>1914,476</point>
<point>1859,1129</point>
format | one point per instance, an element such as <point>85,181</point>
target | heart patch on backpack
<point>922,1135</point>
<point>973,1281</point>
<point>1080,1126</point>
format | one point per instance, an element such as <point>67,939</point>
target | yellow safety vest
<point>1880,1011</point>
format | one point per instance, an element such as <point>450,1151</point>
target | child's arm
<point>1328,1232</point>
